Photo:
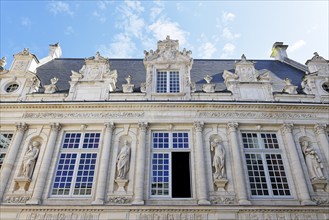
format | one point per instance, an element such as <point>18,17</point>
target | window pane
<point>85,175</point>
<point>91,140</point>
<point>180,140</point>
<point>64,174</point>
<point>5,139</point>
<point>160,174</point>
<point>250,140</point>
<point>71,140</point>
<point>270,141</point>
<point>258,185</point>
<point>161,86</point>
<point>174,82</point>
<point>277,175</point>
<point>160,140</point>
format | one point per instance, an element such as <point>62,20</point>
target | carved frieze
<point>169,215</point>
<point>323,201</point>
<point>17,199</point>
<point>63,215</point>
<point>223,200</point>
<point>46,115</point>
<point>119,200</point>
<point>256,115</point>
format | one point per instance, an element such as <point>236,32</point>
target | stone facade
<point>166,137</point>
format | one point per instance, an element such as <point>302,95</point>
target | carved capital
<point>232,126</point>
<point>109,126</point>
<point>320,128</point>
<point>198,126</point>
<point>143,126</point>
<point>55,126</point>
<point>22,126</point>
<point>287,128</point>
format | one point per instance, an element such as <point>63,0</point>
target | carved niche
<point>168,57</point>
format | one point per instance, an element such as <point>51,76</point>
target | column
<point>237,163</point>
<point>201,177</point>
<point>140,166</point>
<point>45,164</point>
<point>104,165</point>
<point>7,167</point>
<point>321,135</point>
<point>296,166</point>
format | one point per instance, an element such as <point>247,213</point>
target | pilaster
<point>104,164</point>
<point>238,167</point>
<point>8,165</point>
<point>296,166</point>
<point>140,166</point>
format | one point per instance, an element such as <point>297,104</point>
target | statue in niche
<point>218,158</point>
<point>29,159</point>
<point>123,161</point>
<point>313,161</point>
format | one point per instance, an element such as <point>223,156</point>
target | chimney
<point>279,51</point>
<point>55,51</point>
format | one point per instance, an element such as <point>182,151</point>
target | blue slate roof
<point>62,67</point>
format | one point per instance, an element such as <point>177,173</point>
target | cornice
<point>167,105</point>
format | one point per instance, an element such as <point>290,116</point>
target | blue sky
<point>124,29</point>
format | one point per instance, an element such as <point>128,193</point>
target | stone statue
<point>123,161</point>
<point>29,159</point>
<point>313,161</point>
<point>218,159</point>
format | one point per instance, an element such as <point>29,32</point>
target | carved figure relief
<point>218,159</point>
<point>123,161</point>
<point>29,159</point>
<point>313,161</point>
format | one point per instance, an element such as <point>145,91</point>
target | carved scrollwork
<point>143,126</point>
<point>287,128</point>
<point>321,201</point>
<point>198,126</point>
<point>22,126</point>
<point>232,126</point>
<point>223,201</point>
<point>320,128</point>
<point>119,200</point>
<point>17,199</point>
<point>45,115</point>
<point>55,126</point>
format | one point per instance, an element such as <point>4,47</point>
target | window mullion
<point>168,82</point>
<point>75,173</point>
<point>267,176</point>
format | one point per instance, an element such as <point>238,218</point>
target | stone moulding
<point>85,115</point>
<point>17,199</point>
<point>119,200</point>
<point>261,115</point>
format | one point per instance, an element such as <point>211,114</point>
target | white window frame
<point>168,80</point>
<point>262,151</point>
<point>78,151</point>
<point>3,151</point>
<point>168,151</point>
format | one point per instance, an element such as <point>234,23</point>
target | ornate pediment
<point>168,52</point>
<point>318,64</point>
<point>96,68</point>
<point>245,70</point>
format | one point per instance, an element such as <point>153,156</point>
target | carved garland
<point>85,115</point>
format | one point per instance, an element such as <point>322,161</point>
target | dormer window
<point>167,82</point>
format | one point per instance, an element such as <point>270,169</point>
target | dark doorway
<point>181,185</point>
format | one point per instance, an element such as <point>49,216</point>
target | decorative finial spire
<point>243,57</point>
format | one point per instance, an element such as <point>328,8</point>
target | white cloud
<point>69,30</point>
<point>156,11</point>
<point>99,16</point>
<point>162,27</point>
<point>228,50</point>
<point>206,50</point>
<point>228,35</point>
<point>102,5</point>
<point>227,16</point>
<point>296,46</point>
<point>25,21</point>
<point>57,7</point>
<point>122,47</point>
<point>131,21</point>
